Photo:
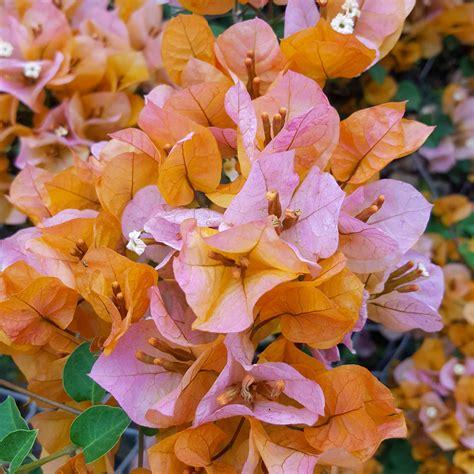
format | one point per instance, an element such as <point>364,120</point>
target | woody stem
<point>67,451</point>
<point>24,391</point>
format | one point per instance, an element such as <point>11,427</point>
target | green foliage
<point>16,439</point>
<point>77,383</point>
<point>397,458</point>
<point>467,66</point>
<point>467,254</point>
<point>465,228</point>
<point>378,73</point>
<point>15,447</point>
<point>98,429</point>
<point>444,127</point>
<point>408,90</point>
<point>10,418</point>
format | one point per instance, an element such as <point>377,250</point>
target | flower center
<point>32,70</point>
<point>183,359</point>
<point>369,211</point>
<point>344,22</point>
<point>253,81</point>
<point>6,49</point>
<point>431,412</point>
<point>459,369</point>
<point>272,128</point>
<point>61,131</point>
<point>238,267</point>
<point>401,280</point>
<point>249,389</point>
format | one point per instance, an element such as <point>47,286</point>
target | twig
<point>258,12</point>
<point>67,451</point>
<point>141,447</point>
<point>427,68</point>
<point>60,406</point>
<point>395,354</point>
<point>425,175</point>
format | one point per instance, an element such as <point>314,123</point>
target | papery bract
<point>225,273</point>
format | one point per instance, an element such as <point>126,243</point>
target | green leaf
<point>435,226</point>
<point>98,429</point>
<point>467,254</point>
<point>444,127</point>
<point>397,459</point>
<point>77,383</point>
<point>408,90</point>
<point>465,227</point>
<point>10,418</point>
<point>149,431</point>
<point>378,73</point>
<point>15,447</point>
<point>467,66</point>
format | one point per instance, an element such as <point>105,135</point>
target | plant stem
<point>67,451</point>
<point>60,406</point>
<point>141,447</point>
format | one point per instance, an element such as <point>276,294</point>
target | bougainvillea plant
<point>194,278</point>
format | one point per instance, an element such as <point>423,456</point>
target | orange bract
<point>35,313</point>
<point>321,53</point>
<point>360,413</point>
<point>208,7</point>
<point>372,138</point>
<point>123,177</point>
<point>194,164</point>
<point>186,37</point>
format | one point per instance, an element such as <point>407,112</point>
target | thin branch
<point>258,12</point>
<point>67,451</point>
<point>60,406</point>
<point>141,447</point>
<point>420,166</point>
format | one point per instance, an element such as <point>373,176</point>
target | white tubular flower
<point>424,272</point>
<point>229,168</point>
<point>6,49</point>
<point>32,70</point>
<point>61,131</point>
<point>351,8</point>
<point>135,244</point>
<point>431,412</point>
<point>459,369</point>
<point>343,24</point>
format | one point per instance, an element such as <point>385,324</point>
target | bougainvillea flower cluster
<point>219,254</point>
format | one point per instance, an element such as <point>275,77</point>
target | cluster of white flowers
<point>424,272</point>
<point>6,49</point>
<point>61,131</point>
<point>32,69</point>
<point>135,243</point>
<point>345,22</point>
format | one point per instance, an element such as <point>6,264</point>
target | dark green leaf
<point>15,447</point>
<point>465,228</point>
<point>397,459</point>
<point>10,418</point>
<point>77,383</point>
<point>435,226</point>
<point>149,431</point>
<point>444,127</point>
<point>467,254</point>
<point>467,66</point>
<point>98,429</point>
<point>408,90</point>
<point>378,73</point>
